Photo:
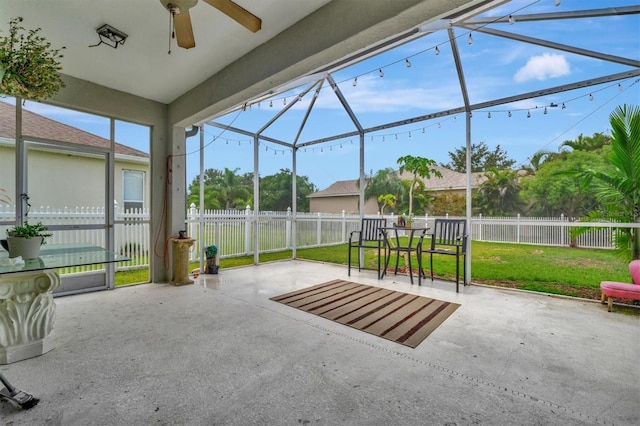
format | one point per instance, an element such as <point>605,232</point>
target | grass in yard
<point>558,270</point>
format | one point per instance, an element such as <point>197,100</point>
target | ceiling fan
<point>179,10</point>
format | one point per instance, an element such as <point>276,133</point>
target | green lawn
<point>566,271</point>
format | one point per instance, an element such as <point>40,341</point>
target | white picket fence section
<point>232,231</point>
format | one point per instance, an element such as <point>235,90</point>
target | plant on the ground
<point>618,187</point>
<point>419,167</point>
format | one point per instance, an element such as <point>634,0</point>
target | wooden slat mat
<point>400,317</point>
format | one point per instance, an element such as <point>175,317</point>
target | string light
<point>407,63</point>
<point>564,106</point>
<point>271,104</point>
<point>557,2</point>
<point>423,130</point>
<point>284,101</point>
<point>545,110</point>
<point>380,72</point>
<point>509,114</point>
<point>590,96</point>
<point>470,39</point>
<point>488,115</point>
<point>620,87</point>
<point>512,20</point>
<point>528,114</point>
<point>355,82</point>
<point>437,50</point>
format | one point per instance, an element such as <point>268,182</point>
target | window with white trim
<point>132,189</point>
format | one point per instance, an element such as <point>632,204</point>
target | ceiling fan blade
<point>184,30</point>
<point>238,14</point>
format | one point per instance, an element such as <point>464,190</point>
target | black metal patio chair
<point>449,238</point>
<point>369,236</point>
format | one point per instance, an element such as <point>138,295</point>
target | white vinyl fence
<point>232,231</point>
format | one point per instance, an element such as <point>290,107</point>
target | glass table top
<point>54,256</point>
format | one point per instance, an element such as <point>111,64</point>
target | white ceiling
<point>142,66</point>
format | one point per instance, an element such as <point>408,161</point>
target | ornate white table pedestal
<point>27,314</point>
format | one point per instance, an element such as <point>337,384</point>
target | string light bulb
<point>509,114</point>
<point>437,50</point>
<point>284,101</point>
<point>488,115</point>
<point>528,114</point>
<point>271,104</point>
<point>590,96</point>
<point>470,39</point>
<point>564,106</point>
<point>512,20</point>
<point>620,87</point>
<point>355,82</point>
<point>557,2</point>
<point>407,63</point>
<point>380,72</point>
<point>545,110</point>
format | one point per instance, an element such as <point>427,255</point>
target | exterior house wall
<point>59,180</point>
<point>348,203</point>
<point>7,172</point>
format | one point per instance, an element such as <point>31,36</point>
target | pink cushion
<point>634,268</point>
<point>620,290</point>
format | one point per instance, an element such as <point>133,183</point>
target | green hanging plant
<point>29,67</point>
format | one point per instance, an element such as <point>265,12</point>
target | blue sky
<point>493,68</point>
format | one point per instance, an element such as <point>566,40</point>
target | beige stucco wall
<point>337,204</point>
<point>62,180</point>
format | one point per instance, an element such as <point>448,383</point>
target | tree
<point>448,203</point>
<point>481,159</point>
<point>551,192</point>
<point>588,143</point>
<point>276,191</point>
<point>419,167</point>
<point>385,181</point>
<point>387,200</point>
<point>222,189</point>
<point>499,194</point>
<point>619,184</point>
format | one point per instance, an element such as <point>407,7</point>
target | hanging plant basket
<point>29,66</point>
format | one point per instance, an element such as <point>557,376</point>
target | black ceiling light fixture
<point>110,36</point>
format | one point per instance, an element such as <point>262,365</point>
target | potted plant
<point>29,67</point>
<point>211,252</point>
<point>25,240</point>
<point>408,219</point>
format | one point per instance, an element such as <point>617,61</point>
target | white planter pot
<point>27,248</point>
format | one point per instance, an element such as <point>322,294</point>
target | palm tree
<point>498,195</point>
<point>385,181</point>
<point>619,186</point>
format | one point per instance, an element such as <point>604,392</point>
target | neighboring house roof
<point>341,188</point>
<point>450,180</point>
<point>46,128</point>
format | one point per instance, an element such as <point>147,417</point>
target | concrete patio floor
<point>220,352</point>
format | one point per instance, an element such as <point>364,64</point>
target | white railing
<point>232,231</point>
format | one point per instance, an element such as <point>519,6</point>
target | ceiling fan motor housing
<point>176,6</point>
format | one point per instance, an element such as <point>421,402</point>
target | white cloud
<point>543,67</point>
